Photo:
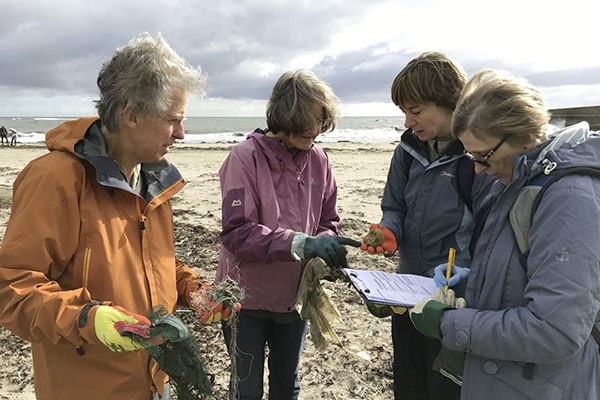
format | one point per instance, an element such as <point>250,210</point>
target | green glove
<point>426,314</point>
<point>426,318</point>
<point>383,311</point>
<point>168,327</point>
<point>452,364</point>
<point>379,311</point>
<point>110,320</point>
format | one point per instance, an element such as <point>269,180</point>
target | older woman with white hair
<point>533,293</point>
<point>89,244</point>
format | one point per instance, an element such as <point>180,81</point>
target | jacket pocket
<point>86,265</point>
<point>511,373</point>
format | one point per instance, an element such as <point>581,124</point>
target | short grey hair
<point>146,74</point>
<point>295,99</point>
<point>498,104</point>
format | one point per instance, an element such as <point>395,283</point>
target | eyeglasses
<point>484,160</point>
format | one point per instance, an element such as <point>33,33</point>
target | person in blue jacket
<point>427,206</point>
<point>527,329</point>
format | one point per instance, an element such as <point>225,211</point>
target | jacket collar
<point>156,177</point>
<point>410,138</point>
<point>418,149</point>
<point>565,148</point>
<point>274,148</point>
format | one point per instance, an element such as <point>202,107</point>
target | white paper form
<point>387,288</point>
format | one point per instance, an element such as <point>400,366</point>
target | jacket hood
<point>274,149</point>
<point>573,146</point>
<point>83,138</point>
<point>66,135</point>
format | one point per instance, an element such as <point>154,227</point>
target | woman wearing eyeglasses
<point>527,331</point>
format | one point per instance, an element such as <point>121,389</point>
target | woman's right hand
<point>379,240</point>
<point>458,274</point>
<point>329,248</point>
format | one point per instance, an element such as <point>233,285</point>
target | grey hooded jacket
<point>543,312</point>
<point>424,208</point>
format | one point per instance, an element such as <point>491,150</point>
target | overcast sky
<point>51,51</point>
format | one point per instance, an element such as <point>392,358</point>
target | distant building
<point>570,116</point>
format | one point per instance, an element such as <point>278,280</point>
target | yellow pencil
<point>451,254</point>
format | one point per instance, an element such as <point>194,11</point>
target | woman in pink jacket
<point>279,208</point>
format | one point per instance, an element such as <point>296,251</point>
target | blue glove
<point>458,275</point>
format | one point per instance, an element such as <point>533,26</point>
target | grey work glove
<point>329,248</point>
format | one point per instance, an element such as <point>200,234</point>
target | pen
<point>449,267</point>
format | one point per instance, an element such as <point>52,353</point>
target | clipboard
<point>390,289</point>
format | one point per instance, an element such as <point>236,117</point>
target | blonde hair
<point>431,77</point>
<point>498,104</point>
<point>300,99</point>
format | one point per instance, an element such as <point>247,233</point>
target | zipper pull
<point>143,223</point>
<point>549,166</point>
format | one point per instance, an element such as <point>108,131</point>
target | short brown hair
<point>300,99</point>
<point>498,104</point>
<point>431,77</point>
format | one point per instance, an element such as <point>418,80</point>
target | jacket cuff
<point>191,288</point>
<point>85,321</point>
<point>87,331</point>
<point>431,318</point>
<point>297,250</point>
<point>456,328</point>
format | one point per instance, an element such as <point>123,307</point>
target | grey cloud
<point>364,75</point>
<point>577,76</point>
<point>61,45</point>
<point>54,46</point>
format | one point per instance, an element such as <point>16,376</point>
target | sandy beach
<point>360,171</point>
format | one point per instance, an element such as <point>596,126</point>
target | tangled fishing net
<point>220,296</point>
<point>179,355</point>
<point>216,298</point>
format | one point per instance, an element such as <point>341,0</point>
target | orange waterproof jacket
<point>77,233</point>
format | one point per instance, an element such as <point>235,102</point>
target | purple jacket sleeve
<point>243,234</point>
<point>328,225</point>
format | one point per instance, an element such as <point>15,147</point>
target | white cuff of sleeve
<point>297,250</point>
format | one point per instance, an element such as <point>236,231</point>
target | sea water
<point>234,129</point>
